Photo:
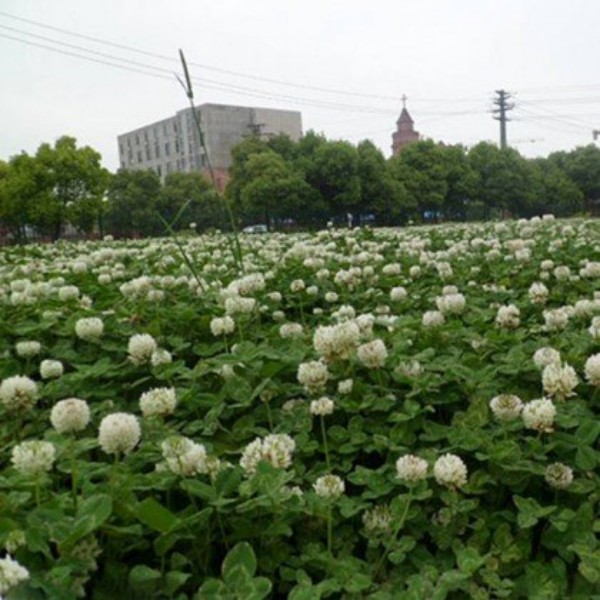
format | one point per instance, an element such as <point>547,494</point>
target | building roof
<point>404,117</point>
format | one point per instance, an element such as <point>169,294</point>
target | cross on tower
<point>404,99</point>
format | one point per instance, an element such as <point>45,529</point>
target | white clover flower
<point>119,433</point>
<point>276,449</point>
<point>51,369</point>
<point>345,387</point>
<point>313,376</point>
<point>290,330</point>
<point>508,317</point>
<point>592,369</point>
<point>558,476</point>
<point>331,297</point>
<point>161,357</point>
<point>68,292</point>
<point>398,294</point>
<point>562,273</point>
<point>33,457</point>
<point>410,468</point>
<point>334,342</point>
<point>184,456</point>
<point>70,415</point>
<point>158,401</point>
<point>275,296</point>
<point>11,574</point>
<point>450,470</point>
<point>329,487</point>
<point>227,371</point>
<point>251,456</point>
<point>238,305</point>
<point>410,368</point>
<point>556,319</point>
<point>89,329</point>
<point>278,315</point>
<point>28,349</point>
<point>451,303</point>
<point>506,407</point>
<point>141,347</point>
<point>372,354</point>
<point>297,285</point>
<point>365,323</point>
<point>392,269</point>
<point>594,328</point>
<point>546,356</point>
<point>538,293</point>
<point>539,414</point>
<point>322,407</point>
<point>559,381</point>
<point>18,393</point>
<point>433,318</point>
<point>378,520</point>
<point>15,540</point>
<point>222,326</point>
<point>415,271</point>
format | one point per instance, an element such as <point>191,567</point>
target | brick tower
<point>405,133</point>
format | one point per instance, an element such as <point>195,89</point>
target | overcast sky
<point>344,64</point>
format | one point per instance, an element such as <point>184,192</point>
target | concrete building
<point>405,132</point>
<point>173,145</point>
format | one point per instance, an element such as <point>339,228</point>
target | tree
<point>133,199</point>
<point>276,191</point>
<point>461,181</point>
<point>333,172</point>
<point>560,195</point>
<point>380,193</point>
<point>17,191</point>
<point>582,165</point>
<point>193,190</point>
<point>421,168</point>
<point>239,176</point>
<point>506,183</point>
<point>69,186</point>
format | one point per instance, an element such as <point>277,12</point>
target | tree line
<point>285,184</point>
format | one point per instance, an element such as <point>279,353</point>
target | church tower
<point>405,132</point>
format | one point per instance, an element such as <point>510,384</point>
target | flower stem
<point>329,530</point>
<point>400,525</point>
<point>325,447</point>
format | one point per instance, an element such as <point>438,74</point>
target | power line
<point>144,68</point>
<point>163,57</point>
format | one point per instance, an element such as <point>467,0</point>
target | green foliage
<point>139,526</point>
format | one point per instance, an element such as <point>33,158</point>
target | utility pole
<point>503,107</point>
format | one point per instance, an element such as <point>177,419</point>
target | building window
<point>177,146</point>
<point>137,139</point>
<point>139,156</point>
<point>167,149</point>
<point>148,153</point>
<point>159,171</point>
<point>157,151</point>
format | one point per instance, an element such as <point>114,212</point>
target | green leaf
<point>156,516</point>
<point>241,554</point>
<point>586,458</point>
<point>530,512</point>
<point>141,575</point>
<point>357,582</point>
<point>92,513</point>
<point>468,559</point>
